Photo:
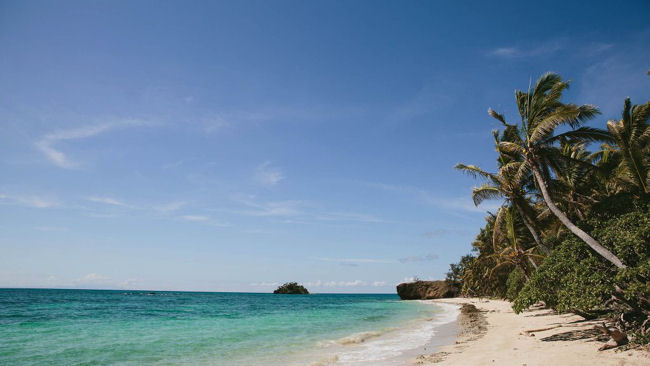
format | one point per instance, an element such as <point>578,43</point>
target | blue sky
<point>232,146</point>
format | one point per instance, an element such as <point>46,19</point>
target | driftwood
<point>617,338</point>
<point>531,332</point>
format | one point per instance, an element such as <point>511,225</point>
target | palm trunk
<point>595,245</point>
<point>523,270</point>
<point>532,230</point>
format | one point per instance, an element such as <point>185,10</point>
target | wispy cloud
<point>272,208</point>
<point>296,211</point>
<point>330,283</point>
<point>195,218</point>
<point>353,260</point>
<point>265,284</point>
<point>92,278</point>
<point>348,216</point>
<point>444,232</point>
<point>419,258</point>
<point>108,201</point>
<point>463,203</point>
<point>129,283</point>
<point>204,219</point>
<point>268,175</point>
<point>46,144</point>
<point>28,201</point>
<point>621,72</point>
<point>170,207</point>
<point>543,49</point>
<point>435,233</point>
<point>345,283</point>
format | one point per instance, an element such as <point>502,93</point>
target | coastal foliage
<point>573,231</point>
<point>291,288</point>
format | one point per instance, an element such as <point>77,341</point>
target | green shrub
<point>574,278</point>
<point>514,284</point>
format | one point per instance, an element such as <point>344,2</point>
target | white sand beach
<point>571,342</point>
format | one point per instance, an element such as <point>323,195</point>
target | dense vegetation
<point>292,288</point>
<point>573,231</point>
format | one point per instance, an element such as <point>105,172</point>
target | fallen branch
<point>617,338</point>
<point>531,331</point>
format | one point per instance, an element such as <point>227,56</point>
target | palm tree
<point>577,180</point>
<point>631,148</point>
<point>508,246</point>
<point>542,113</point>
<point>506,185</point>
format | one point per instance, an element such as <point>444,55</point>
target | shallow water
<point>73,327</point>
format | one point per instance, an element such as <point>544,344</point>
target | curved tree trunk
<point>532,230</point>
<point>595,245</point>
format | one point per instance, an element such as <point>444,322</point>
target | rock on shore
<point>424,290</point>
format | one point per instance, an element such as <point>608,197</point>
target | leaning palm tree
<point>631,148</point>
<point>542,112</point>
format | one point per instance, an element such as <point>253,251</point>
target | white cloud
<point>319,283</point>
<point>47,142</point>
<point>169,207</point>
<point>353,260</point>
<point>275,208</point>
<point>295,211</point>
<point>265,284</point>
<point>463,203</point>
<point>268,175</point>
<point>214,124</point>
<point>196,218</point>
<point>128,283</point>
<point>92,278</point>
<point>543,49</point>
<point>419,258</point>
<point>348,216</point>
<point>108,201</point>
<point>204,219</point>
<point>345,283</point>
<point>28,201</point>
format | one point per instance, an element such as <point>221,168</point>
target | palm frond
<point>485,192</point>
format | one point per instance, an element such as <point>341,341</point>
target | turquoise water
<point>87,327</point>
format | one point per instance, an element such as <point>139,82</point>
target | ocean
<point>102,327</point>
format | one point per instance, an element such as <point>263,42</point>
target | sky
<point>234,146</point>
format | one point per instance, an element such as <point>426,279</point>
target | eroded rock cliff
<point>422,290</point>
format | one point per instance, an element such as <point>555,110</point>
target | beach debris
<point>617,338</point>
<point>531,332</point>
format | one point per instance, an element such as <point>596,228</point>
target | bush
<point>574,278</point>
<point>514,284</point>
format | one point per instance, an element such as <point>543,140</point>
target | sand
<point>497,337</point>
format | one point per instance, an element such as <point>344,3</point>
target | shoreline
<point>504,341</point>
<point>392,346</point>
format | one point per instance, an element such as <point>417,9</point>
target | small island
<point>292,288</point>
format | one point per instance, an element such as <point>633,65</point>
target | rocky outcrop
<point>422,290</point>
